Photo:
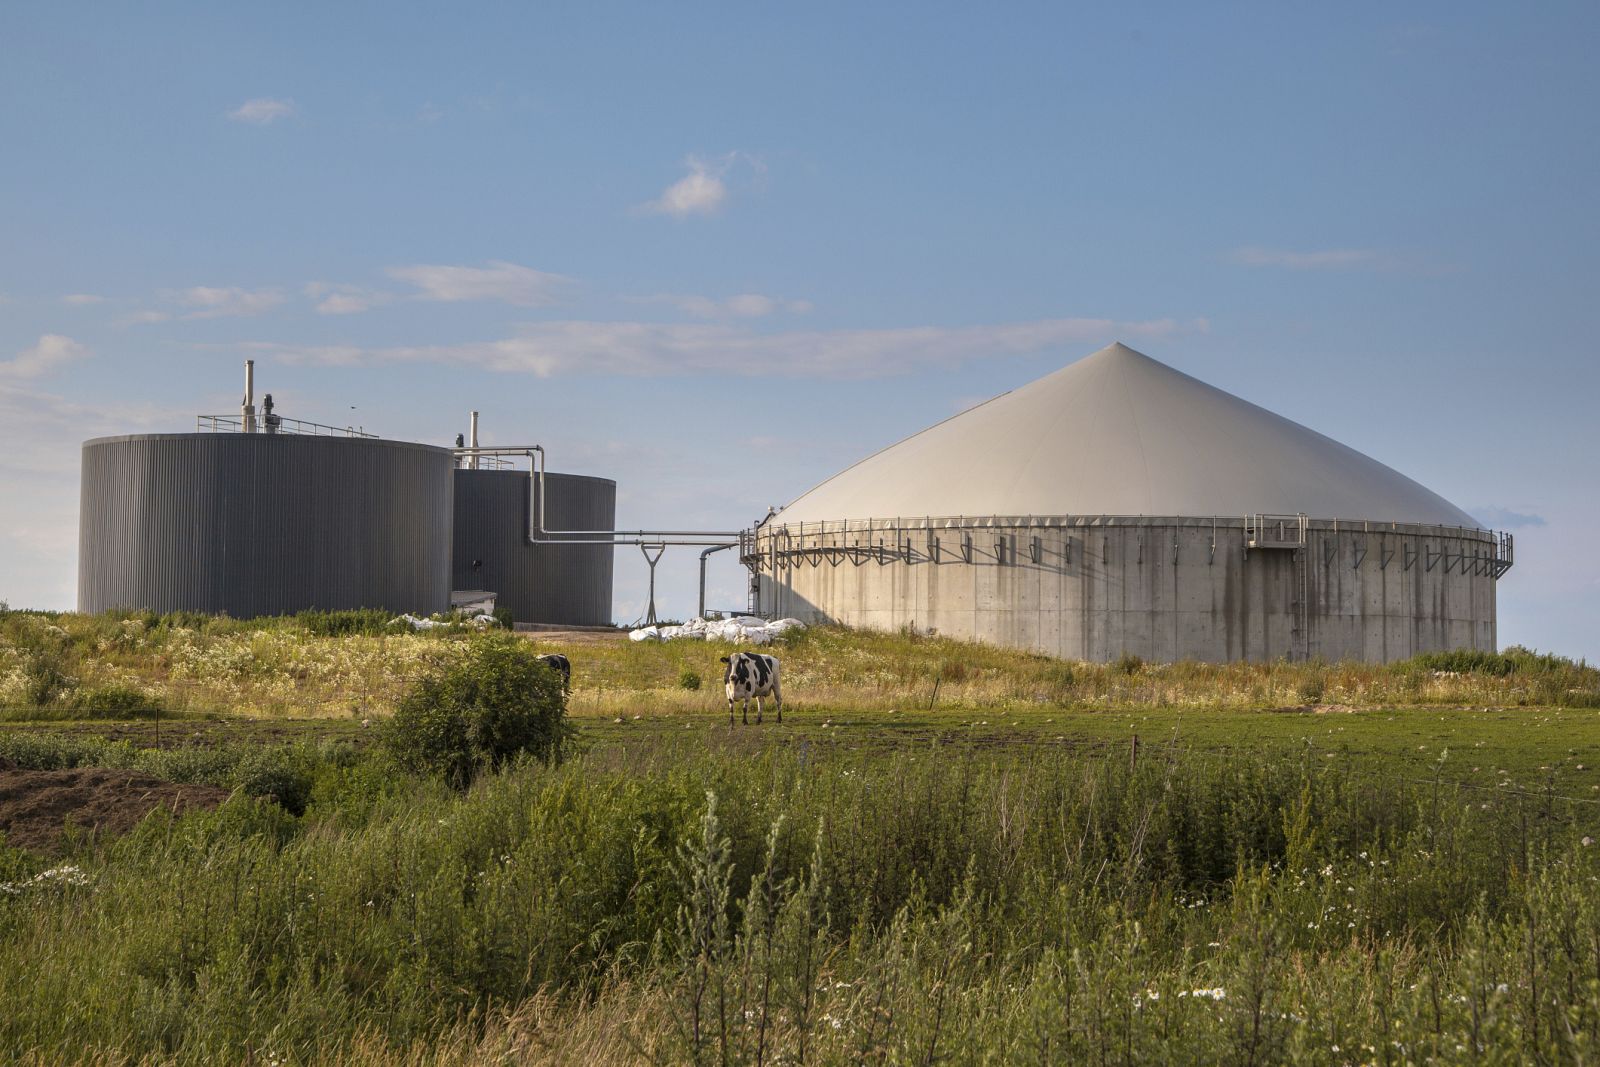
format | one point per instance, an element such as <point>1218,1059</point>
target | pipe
<point>540,535</point>
<point>703,556</point>
<point>247,410</point>
<point>473,438</point>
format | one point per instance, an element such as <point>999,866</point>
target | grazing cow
<point>562,666</point>
<point>751,674</point>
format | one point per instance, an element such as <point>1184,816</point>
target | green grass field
<point>944,854</point>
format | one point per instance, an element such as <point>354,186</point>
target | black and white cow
<point>562,666</point>
<point>751,674</point>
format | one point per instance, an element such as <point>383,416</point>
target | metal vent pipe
<point>247,410</point>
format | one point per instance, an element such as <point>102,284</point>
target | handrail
<point>270,424</point>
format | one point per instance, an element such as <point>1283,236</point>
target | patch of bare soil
<point>36,807</point>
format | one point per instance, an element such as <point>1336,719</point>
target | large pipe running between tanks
<point>539,535</point>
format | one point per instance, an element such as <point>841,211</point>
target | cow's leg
<point>745,713</point>
<point>730,713</point>
<point>777,700</point>
<point>758,709</point>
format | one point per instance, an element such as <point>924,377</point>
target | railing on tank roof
<point>774,544</point>
<point>275,424</point>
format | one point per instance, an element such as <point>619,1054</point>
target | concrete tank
<point>543,583</point>
<point>254,524</point>
<point>1119,506</point>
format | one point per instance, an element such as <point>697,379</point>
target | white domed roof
<point>1119,433</point>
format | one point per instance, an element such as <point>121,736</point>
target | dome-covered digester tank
<point>260,523</point>
<point>1120,506</point>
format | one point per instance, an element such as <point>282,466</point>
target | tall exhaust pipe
<point>248,410</point>
<point>474,439</point>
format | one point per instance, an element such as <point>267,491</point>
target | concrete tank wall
<point>263,524</point>
<point>1161,588</point>
<point>539,583</point>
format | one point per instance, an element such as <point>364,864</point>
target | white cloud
<point>742,306</point>
<point>262,110</point>
<point>51,351</point>
<point>82,299</point>
<point>1499,518</point>
<point>646,349</point>
<point>499,280</point>
<point>210,302</point>
<point>700,192</point>
<point>143,317</point>
<point>345,299</point>
<point>1326,259</point>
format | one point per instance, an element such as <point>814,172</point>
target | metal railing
<point>274,424</point>
<point>1006,538</point>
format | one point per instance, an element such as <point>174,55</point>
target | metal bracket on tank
<point>1330,549</point>
<point>966,548</point>
<point>1036,550</point>
<point>1410,551</point>
<point>1385,554</point>
<point>1361,554</point>
<point>1432,557</point>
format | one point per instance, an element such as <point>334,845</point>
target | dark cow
<point>562,666</point>
<point>751,674</point>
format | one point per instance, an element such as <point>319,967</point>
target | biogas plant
<point>1115,507</point>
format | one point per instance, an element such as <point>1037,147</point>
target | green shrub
<point>1128,663</point>
<point>281,774</point>
<point>689,679</point>
<point>479,712</point>
<point>504,619</point>
<point>363,621</point>
<point>114,701</point>
<point>1311,688</point>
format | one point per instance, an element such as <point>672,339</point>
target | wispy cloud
<point>1498,518</point>
<point>82,299</point>
<point>334,299</point>
<point>51,351</point>
<point>499,280</point>
<point>262,110</point>
<point>702,191</point>
<point>142,318</point>
<point>742,306</point>
<point>1324,259</point>
<point>645,349</point>
<point>212,302</point>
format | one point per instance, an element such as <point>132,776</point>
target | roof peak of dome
<point>1121,433</point>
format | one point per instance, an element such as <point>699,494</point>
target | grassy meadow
<point>946,853</point>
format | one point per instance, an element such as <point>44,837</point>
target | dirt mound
<point>37,806</point>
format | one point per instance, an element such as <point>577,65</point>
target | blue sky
<point>717,252</point>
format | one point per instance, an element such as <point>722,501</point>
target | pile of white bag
<point>742,629</point>
<point>418,623</point>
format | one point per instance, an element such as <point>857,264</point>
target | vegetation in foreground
<point>911,888</point>
<point>355,665</point>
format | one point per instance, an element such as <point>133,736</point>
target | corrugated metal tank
<point>263,524</point>
<point>539,583</point>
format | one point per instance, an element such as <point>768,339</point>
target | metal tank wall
<point>1163,589</point>
<point>263,524</point>
<point>540,583</point>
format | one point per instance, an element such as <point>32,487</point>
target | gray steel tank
<point>254,524</point>
<point>1120,506</point>
<point>539,583</point>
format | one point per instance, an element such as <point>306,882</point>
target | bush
<point>479,712</point>
<point>504,619</point>
<point>689,679</point>
<point>370,622</point>
<point>279,774</point>
<point>1128,663</point>
<point>45,677</point>
<point>114,701</point>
